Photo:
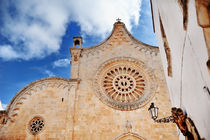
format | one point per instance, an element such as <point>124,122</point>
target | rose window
<point>124,84</point>
<point>36,125</point>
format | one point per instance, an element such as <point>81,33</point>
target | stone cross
<point>118,20</point>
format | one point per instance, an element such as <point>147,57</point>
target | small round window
<point>36,125</point>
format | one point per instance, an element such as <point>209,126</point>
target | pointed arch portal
<point>129,136</point>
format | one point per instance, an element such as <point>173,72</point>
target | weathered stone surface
<point>72,109</point>
<point>94,119</point>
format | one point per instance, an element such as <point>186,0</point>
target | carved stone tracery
<point>36,125</point>
<point>124,83</point>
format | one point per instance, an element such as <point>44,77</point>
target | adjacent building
<point>182,28</point>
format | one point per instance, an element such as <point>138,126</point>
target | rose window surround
<point>124,83</point>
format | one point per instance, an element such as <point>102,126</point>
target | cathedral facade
<point>107,97</point>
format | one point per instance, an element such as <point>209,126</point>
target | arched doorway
<point>129,136</point>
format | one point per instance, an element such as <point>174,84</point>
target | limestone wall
<point>94,119</point>
<point>80,109</point>
<point>51,99</point>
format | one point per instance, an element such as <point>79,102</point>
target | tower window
<point>76,42</point>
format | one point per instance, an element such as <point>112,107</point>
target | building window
<point>124,84</point>
<point>167,49</point>
<point>36,125</point>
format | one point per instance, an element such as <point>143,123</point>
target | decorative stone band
<point>129,136</point>
<point>33,88</point>
<point>124,83</point>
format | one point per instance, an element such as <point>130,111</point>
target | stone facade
<point>183,26</point>
<point>107,98</point>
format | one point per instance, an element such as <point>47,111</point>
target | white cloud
<point>4,106</point>
<point>7,52</point>
<point>43,70</point>
<point>35,28</point>
<point>61,63</point>
<point>97,17</point>
<point>49,73</point>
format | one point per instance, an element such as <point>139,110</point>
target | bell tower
<point>77,41</point>
<point>75,54</point>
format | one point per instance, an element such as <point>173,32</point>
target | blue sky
<point>35,37</point>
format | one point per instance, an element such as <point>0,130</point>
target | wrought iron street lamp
<point>154,115</point>
<point>184,123</point>
<point>153,111</point>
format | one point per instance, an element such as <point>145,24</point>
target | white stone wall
<point>189,55</point>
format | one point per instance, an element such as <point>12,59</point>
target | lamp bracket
<point>165,120</point>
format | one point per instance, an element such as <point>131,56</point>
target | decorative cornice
<point>122,33</point>
<point>129,134</point>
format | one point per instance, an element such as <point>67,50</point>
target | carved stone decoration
<point>36,125</point>
<point>185,124</point>
<point>128,126</point>
<point>129,136</point>
<point>124,83</point>
<point>179,118</point>
<point>33,88</point>
<point>120,35</point>
<point>3,118</point>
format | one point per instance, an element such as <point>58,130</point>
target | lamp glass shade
<point>153,111</point>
